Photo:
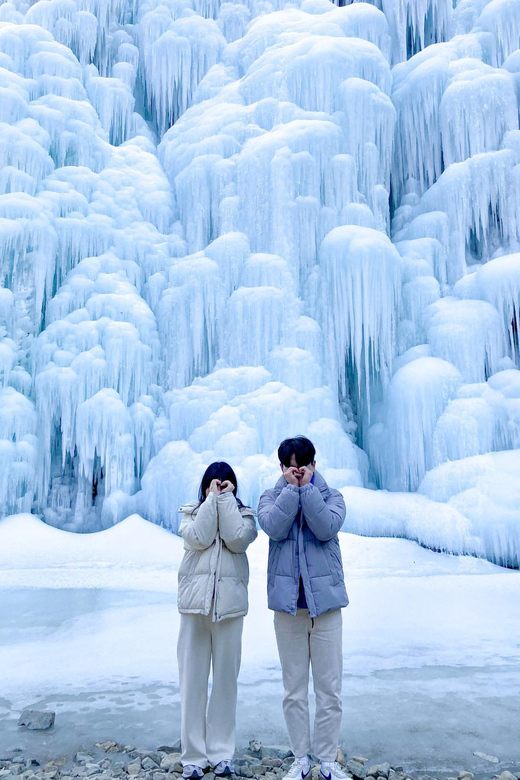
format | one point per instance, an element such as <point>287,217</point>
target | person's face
<point>293,464</point>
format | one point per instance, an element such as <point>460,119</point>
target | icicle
<point>187,314</point>
<point>177,62</point>
<point>359,283</point>
<point>260,312</point>
<point>500,17</point>
<point>401,451</point>
<point>476,110</point>
<point>233,19</point>
<point>114,104</point>
<point>468,334</point>
<point>499,283</point>
<point>104,428</point>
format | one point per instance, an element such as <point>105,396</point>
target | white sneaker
<point>331,770</point>
<point>192,772</point>
<point>299,769</point>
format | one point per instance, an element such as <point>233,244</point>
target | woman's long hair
<point>218,470</point>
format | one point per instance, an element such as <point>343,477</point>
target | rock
<point>276,751</point>
<point>463,775</point>
<point>133,769</point>
<point>255,746</point>
<point>92,769</point>
<point>81,757</point>
<point>274,762</point>
<point>340,757</point>
<point>507,776</point>
<point>153,754</point>
<point>379,770</point>
<point>175,748</point>
<point>148,763</point>
<point>169,762</point>
<point>356,769</point>
<point>360,759</point>
<point>37,719</point>
<point>485,757</point>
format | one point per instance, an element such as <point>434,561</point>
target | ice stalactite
<point>358,305</point>
<point>499,283</point>
<point>177,53</point>
<point>401,449</point>
<point>468,334</point>
<point>187,312</point>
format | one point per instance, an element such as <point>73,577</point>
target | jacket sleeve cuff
<point>292,488</point>
<point>306,488</point>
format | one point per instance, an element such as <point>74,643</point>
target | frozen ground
<point>432,646</point>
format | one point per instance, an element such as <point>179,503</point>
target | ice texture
<point>222,224</point>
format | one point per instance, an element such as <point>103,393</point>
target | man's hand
<point>226,487</point>
<point>305,475</point>
<point>215,487</point>
<point>292,475</point>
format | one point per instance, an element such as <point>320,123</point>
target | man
<point>306,589</point>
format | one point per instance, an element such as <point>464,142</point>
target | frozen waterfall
<point>225,223</point>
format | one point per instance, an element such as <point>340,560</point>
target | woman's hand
<point>214,487</point>
<point>227,487</point>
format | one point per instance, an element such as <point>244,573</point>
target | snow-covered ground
<point>88,626</point>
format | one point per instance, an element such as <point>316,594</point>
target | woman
<point>212,600</point>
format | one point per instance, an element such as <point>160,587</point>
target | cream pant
<point>316,642</point>
<point>208,731</point>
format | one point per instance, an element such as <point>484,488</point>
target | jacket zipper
<point>217,574</point>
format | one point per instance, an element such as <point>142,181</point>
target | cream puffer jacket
<point>216,535</point>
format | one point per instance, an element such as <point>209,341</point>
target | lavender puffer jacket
<point>302,525</point>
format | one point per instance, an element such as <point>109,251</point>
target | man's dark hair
<point>302,448</point>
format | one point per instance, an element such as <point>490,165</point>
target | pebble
<point>81,758</point>
<point>357,769</point>
<point>256,761</point>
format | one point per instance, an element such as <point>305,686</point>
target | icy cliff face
<point>222,224</point>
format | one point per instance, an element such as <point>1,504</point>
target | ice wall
<point>225,223</point>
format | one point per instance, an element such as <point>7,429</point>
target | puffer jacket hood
<point>214,572</point>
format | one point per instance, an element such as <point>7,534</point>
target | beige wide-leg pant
<point>208,731</point>
<point>304,641</point>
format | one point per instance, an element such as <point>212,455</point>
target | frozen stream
<point>432,647</point>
